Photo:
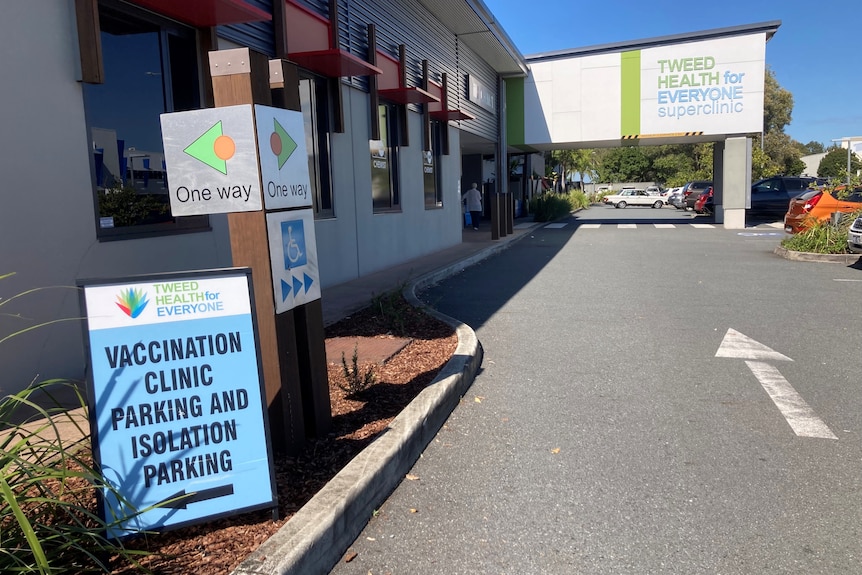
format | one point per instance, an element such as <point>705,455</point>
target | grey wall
<point>47,223</point>
<point>358,241</point>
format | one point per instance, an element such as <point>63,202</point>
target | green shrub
<point>579,199</point>
<point>128,207</point>
<point>822,237</point>
<point>551,206</point>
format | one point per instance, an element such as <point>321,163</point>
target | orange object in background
<point>818,206</point>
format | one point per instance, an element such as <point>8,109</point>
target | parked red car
<point>819,205</point>
<point>704,202</point>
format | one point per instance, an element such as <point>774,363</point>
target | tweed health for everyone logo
<point>132,301</point>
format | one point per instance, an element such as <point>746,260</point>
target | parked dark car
<point>692,191</point>
<point>771,196</point>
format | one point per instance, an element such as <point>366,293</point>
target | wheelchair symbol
<point>293,243</point>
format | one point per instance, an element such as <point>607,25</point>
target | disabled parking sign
<point>293,244</point>
<point>293,255</point>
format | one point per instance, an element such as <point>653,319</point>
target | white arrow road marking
<point>741,346</point>
<point>798,414</point>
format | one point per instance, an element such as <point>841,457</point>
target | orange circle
<point>224,147</point>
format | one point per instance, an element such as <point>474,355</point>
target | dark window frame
<point>183,94</point>
<point>437,129</point>
<point>392,139</point>
<point>321,102</point>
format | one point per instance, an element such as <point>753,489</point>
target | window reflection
<point>139,52</point>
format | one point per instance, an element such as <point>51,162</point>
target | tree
<point>834,163</point>
<point>584,163</point>
<point>565,160</point>
<point>777,105</point>
<point>761,164</point>
<point>628,164</point>
<point>812,147</point>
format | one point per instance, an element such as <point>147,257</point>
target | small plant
<point>390,305</point>
<point>355,380</point>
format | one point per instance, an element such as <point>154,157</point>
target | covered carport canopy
<point>704,86</point>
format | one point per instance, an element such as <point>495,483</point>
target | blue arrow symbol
<point>297,285</point>
<point>308,282</point>
<point>285,290</point>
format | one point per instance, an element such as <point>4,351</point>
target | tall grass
<point>49,522</point>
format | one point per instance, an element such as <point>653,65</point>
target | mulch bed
<point>218,547</point>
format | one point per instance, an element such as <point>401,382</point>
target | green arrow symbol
<point>288,146</point>
<point>203,149</point>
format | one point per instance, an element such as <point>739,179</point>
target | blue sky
<point>816,53</point>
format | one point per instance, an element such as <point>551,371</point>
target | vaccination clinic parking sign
<point>177,408</point>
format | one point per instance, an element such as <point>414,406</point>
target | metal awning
<point>205,13</point>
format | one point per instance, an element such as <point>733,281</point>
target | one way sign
<point>293,256</point>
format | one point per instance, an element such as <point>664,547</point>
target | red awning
<point>334,63</point>
<point>205,13</point>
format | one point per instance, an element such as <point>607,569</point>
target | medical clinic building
<point>85,190</point>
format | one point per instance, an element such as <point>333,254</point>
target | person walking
<point>473,199</point>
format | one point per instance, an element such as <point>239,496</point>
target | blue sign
<point>293,257</point>
<point>177,407</point>
<point>293,242</point>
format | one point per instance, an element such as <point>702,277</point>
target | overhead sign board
<point>283,158</point>
<point>211,160</point>
<point>177,408</point>
<point>677,90</point>
<point>711,87</point>
<point>293,253</point>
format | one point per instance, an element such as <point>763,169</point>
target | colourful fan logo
<point>132,302</point>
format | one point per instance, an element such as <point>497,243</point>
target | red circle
<point>275,144</point>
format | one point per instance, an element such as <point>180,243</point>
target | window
<point>384,162</point>
<point>431,168</point>
<point>316,114</point>
<point>150,67</point>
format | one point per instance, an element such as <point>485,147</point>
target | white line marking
<point>798,414</point>
<point>627,226</point>
<point>523,226</point>
<point>555,226</point>
<point>664,226</point>
<point>590,226</point>
<point>703,226</point>
<point>845,280</point>
<point>741,346</point>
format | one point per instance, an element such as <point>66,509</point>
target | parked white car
<point>633,197</point>
<point>854,236</point>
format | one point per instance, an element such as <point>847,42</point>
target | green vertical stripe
<point>515,111</point>
<point>630,84</point>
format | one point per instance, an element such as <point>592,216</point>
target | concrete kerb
<point>846,259</point>
<point>319,534</point>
